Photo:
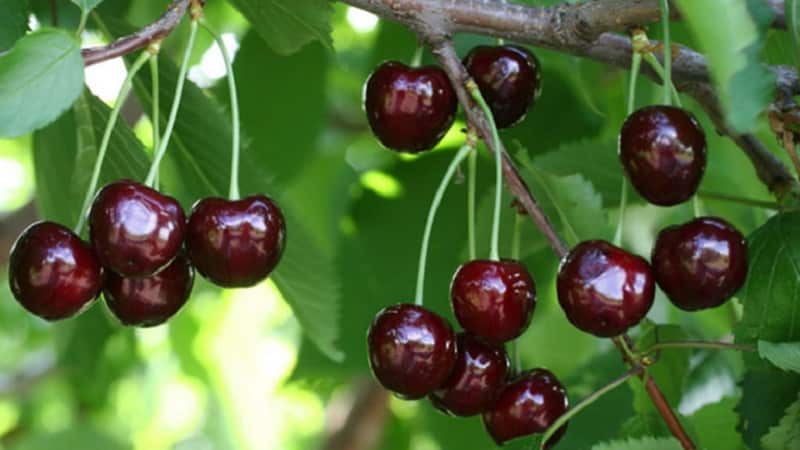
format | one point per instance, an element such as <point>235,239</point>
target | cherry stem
<point>416,60</point>
<point>667,43</point>
<point>437,200</point>
<point>154,119</point>
<point>697,208</point>
<point>661,72</point>
<point>583,404</point>
<point>233,192</point>
<point>472,173</point>
<point>82,23</point>
<point>176,103</point>
<point>636,63</point>
<point>744,201</point>
<point>101,154</point>
<point>697,344</point>
<point>498,161</point>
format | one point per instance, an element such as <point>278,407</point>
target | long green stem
<point>176,103</point>
<point>233,192</point>
<point>101,154</point>
<point>437,200</point>
<point>498,160</point>
<point>155,117</point>
<point>583,404</point>
<point>661,72</point>
<point>698,344</point>
<point>636,63</point>
<point>416,60</point>
<point>472,175</point>
<point>667,42</point>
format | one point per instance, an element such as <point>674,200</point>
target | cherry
<point>663,151</point>
<point>150,301</point>
<point>700,264</point>
<point>236,243</point>
<point>603,289</point>
<point>409,109</point>
<point>135,230</point>
<point>509,79</point>
<point>412,351</point>
<point>493,300</point>
<point>529,404</point>
<point>52,272</point>
<point>479,374</point>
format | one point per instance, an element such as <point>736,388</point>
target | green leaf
<point>721,418</point>
<point>785,355</point>
<point>645,443</point>
<point>792,14</point>
<point>13,22</point>
<point>771,309</point>
<point>287,25</point>
<point>87,5</point>
<point>731,38</point>
<point>40,77</point>
<point>786,435</point>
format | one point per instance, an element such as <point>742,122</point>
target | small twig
<point>698,344</point>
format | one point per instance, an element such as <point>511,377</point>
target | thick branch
<point>142,38</point>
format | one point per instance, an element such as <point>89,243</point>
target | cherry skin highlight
<point>700,264</point>
<point>603,289</point>
<point>493,300</point>
<point>663,152</point>
<point>52,272</point>
<point>409,109</point>
<point>529,404</point>
<point>412,351</point>
<point>147,302</point>
<point>479,374</point>
<point>135,230</point>
<point>236,243</point>
<point>509,78</point>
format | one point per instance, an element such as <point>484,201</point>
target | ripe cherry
<point>603,289</point>
<point>479,374</point>
<point>493,300</point>
<point>412,351</point>
<point>409,109</point>
<point>700,264</point>
<point>663,151</point>
<point>236,243</point>
<point>529,404</point>
<point>135,230</point>
<point>52,272</point>
<point>150,301</point>
<point>509,79</point>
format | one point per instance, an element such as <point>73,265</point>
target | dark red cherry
<point>479,374</point>
<point>52,272</point>
<point>493,300</point>
<point>150,301</point>
<point>135,230</point>
<point>663,151</point>
<point>529,404</point>
<point>603,289</point>
<point>509,78</point>
<point>700,264</point>
<point>412,351</point>
<point>409,109</point>
<point>236,243</point>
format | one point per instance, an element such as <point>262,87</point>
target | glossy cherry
<point>663,151</point>
<point>236,243</point>
<point>135,230</point>
<point>479,374</point>
<point>52,272</point>
<point>603,289</point>
<point>529,404</point>
<point>412,351</point>
<point>700,264</point>
<point>509,78</point>
<point>150,301</point>
<point>493,300</point>
<point>409,109</point>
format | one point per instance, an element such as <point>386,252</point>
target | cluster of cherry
<point>142,254</point>
<point>603,289</point>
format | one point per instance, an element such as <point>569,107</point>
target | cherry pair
<point>410,109</point>
<point>136,255</point>
<point>605,290</point>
